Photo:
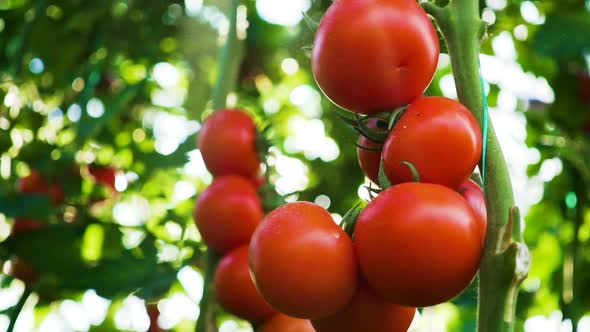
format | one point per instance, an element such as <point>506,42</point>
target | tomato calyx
<point>348,222</point>
<point>413,169</point>
<point>384,182</point>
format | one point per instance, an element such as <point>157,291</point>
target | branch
<point>506,259</point>
<point>18,308</point>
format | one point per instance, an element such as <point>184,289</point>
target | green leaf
<point>26,206</point>
<point>564,35</point>
<point>384,182</point>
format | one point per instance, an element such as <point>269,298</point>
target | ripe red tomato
<point>228,212</point>
<point>367,312</point>
<point>371,56</point>
<point>369,160</point>
<point>440,137</point>
<point>303,264</point>
<point>235,289</point>
<point>473,194</point>
<point>22,271</point>
<point>228,144</point>
<point>284,323</point>
<point>418,244</point>
<point>104,175</point>
<point>23,225</point>
<point>34,184</point>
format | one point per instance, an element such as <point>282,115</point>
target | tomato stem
<point>226,78</point>
<point>18,308</point>
<point>506,259</point>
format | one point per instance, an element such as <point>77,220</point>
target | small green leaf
<point>384,182</point>
<point>348,222</point>
<point>413,169</point>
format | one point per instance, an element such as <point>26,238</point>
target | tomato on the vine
<point>440,137</point>
<point>303,264</point>
<point>367,312</point>
<point>371,56</point>
<point>228,144</point>
<point>227,213</point>
<point>473,194</point>
<point>284,323</point>
<point>104,175</point>
<point>418,244</point>
<point>369,152</point>
<point>235,289</point>
<point>35,184</point>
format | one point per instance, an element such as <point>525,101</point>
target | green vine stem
<point>18,308</point>
<point>506,259</point>
<point>228,68</point>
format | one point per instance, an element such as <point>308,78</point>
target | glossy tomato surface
<point>235,289</point>
<point>284,323</point>
<point>371,56</point>
<point>227,142</point>
<point>418,244</point>
<point>227,213</point>
<point>440,137</point>
<point>370,160</point>
<point>303,264</point>
<point>473,194</point>
<point>367,312</point>
<point>35,184</point>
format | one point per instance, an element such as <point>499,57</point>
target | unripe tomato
<point>367,312</point>
<point>284,323</point>
<point>228,212</point>
<point>23,225</point>
<point>104,175</point>
<point>371,56</point>
<point>473,194</point>
<point>440,137</point>
<point>235,289</point>
<point>34,184</point>
<point>228,144</point>
<point>369,160</point>
<point>418,244</point>
<point>303,264</point>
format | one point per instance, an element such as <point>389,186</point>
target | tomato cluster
<point>228,212</point>
<point>420,241</point>
<point>36,184</point>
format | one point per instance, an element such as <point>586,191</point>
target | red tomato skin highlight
<point>284,323</point>
<point>227,141</point>
<point>418,244</point>
<point>302,262</point>
<point>371,56</point>
<point>440,137</point>
<point>474,196</point>
<point>235,289</point>
<point>227,213</point>
<point>367,312</point>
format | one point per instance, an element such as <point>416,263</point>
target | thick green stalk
<point>506,259</point>
<point>226,78</point>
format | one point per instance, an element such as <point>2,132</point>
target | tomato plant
<point>35,184</point>
<point>235,289</point>
<point>369,152</point>
<point>374,55</point>
<point>303,264</point>
<point>284,323</point>
<point>228,144</point>
<point>418,244</point>
<point>367,312</point>
<point>440,137</point>
<point>227,213</point>
<point>473,194</point>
